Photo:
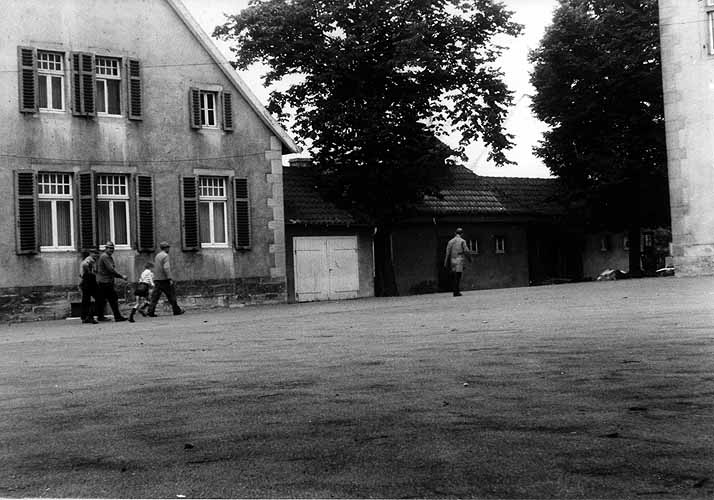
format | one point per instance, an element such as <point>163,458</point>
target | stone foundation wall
<point>54,302</point>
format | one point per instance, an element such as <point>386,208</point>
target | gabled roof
<point>305,205</point>
<point>289,145</point>
<point>469,194</point>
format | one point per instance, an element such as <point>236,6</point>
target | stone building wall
<point>688,80</point>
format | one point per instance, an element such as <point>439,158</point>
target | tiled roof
<point>305,205</point>
<point>465,194</point>
<point>470,194</point>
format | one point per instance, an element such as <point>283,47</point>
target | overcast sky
<point>535,15</point>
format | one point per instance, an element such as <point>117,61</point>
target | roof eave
<point>288,145</point>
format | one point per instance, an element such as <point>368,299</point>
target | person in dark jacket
<point>88,285</point>
<point>106,272</point>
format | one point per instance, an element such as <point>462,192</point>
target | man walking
<point>88,285</point>
<point>456,250</point>
<point>106,272</point>
<point>163,283</point>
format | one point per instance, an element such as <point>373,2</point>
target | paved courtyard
<point>590,390</point>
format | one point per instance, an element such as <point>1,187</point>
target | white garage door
<point>326,267</point>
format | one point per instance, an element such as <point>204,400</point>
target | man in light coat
<point>163,282</point>
<point>456,251</point>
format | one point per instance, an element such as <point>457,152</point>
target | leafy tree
<point>371,84</point>
<point>598,85</point>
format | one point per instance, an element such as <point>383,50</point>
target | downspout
<point>374,260</point>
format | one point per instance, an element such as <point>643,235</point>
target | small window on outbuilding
<point>647,240</point>
<point>605,243</point>
<point>500,244</point>
<point>473,246</point>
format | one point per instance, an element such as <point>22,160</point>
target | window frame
<point>647,239</point>
<point>53,198</point>
<point>473,246</point>
<point>101,78</point>
<point>48,75</point>
<point>500,244</point>
<point>113,198</point>
<point>605,244</point>
<point>203,106</point>
<point>212,200</point>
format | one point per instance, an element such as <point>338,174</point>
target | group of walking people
<point>97,275</point>
<point>98,272</point>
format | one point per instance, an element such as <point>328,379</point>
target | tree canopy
<point>372,84</point>
<point>598,82</point>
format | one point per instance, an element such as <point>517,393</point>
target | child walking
<point>143,288</point>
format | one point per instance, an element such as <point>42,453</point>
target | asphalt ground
<point>590,390</point>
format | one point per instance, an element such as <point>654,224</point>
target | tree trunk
<point>385,283</point>
<point>634,253</point>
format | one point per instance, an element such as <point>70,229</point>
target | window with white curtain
<point>50,81</point>
<point>113,209</point>
<point>56,221</point>
<point>212,217</point>
<point>108,71</point>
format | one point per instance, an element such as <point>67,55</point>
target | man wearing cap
<point>456,250</point>
<point>106,272</point>
<point>88,285</point>
<point>163,283</point>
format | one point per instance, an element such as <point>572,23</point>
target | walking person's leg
<point>95,307</point>
<point>87,313</point>
<point>155,295</point>
<point>171,296</point>
<point>134,308</point>
<point>113,300</point>
<point>100,302</point>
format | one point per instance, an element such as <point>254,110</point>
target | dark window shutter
<point>194,99</point>
<point>76,85</point>
<point>133,69</point>
<point>27,62</point>
<point>88,84</point>
<point>242,213</point>
<point>145,212</point>
<point>189,214</point>
<point>83,84</point>
<point>227,111</point>
<point>26,212</point>
<point>87,211</point>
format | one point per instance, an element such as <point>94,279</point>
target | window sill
<point>215,245</point>
<point>52,111</point>
<point>57,249</point>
